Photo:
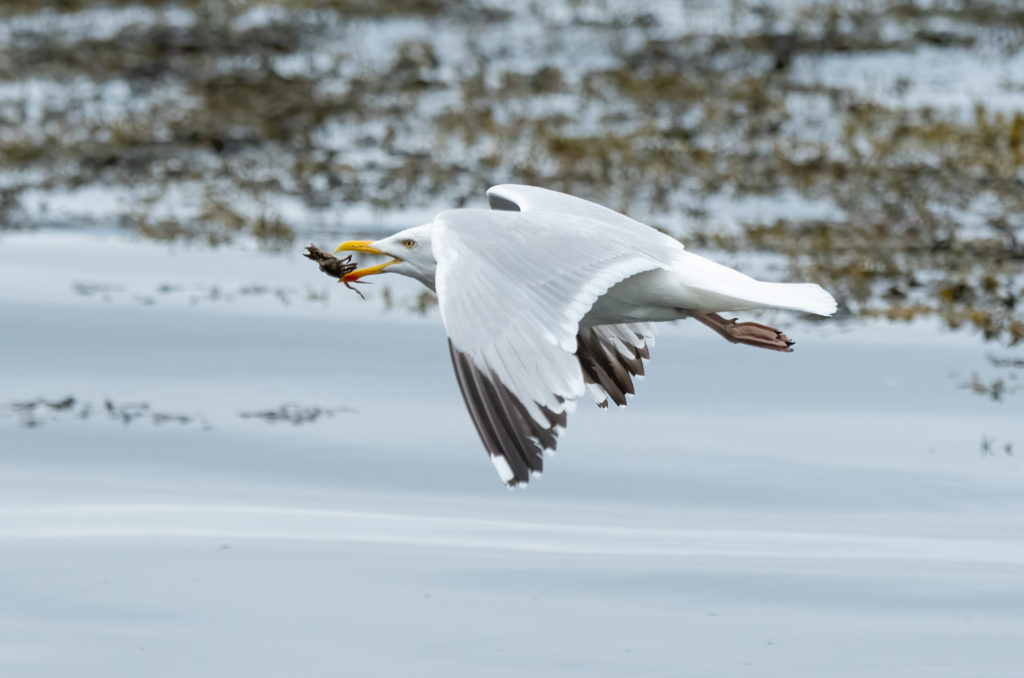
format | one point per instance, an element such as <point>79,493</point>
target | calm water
<point>824,513</point>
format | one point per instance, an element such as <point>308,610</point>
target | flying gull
<point>546,296</point>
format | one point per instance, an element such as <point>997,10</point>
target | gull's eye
<point>409,243</point>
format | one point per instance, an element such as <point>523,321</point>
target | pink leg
<point>752,334</point>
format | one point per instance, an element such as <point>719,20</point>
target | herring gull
<point>547,296</point>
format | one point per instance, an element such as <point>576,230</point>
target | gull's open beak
<point>366,247</point>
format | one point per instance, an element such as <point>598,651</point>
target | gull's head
<point>410,251</point>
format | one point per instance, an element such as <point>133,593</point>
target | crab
<point>333,266</point>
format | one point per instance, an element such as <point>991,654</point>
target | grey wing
<point>518,198</point>
<point>610,356</point>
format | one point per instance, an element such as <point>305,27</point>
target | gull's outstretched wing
<point>610,356</point>
<point>512,288</point>
<point>516,197</point>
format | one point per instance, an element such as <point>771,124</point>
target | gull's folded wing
<point>512,288</point>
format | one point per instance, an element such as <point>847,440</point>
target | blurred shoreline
<point>877,148</point>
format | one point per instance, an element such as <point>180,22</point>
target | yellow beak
<point>358,246</point>
<point>363,246</point>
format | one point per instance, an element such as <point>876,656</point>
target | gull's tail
<point>806,297</point>
<point>704,285</point>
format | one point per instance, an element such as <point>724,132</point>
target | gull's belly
<point>657,296</point>
<point>645,297</point>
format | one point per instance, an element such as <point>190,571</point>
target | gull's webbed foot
<point>749,333</point>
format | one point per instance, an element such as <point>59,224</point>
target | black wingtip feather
<point>605,366</point>
<point>503,423</point>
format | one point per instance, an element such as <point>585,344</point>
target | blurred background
<point>875,146</point>
<point>181,394</point>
